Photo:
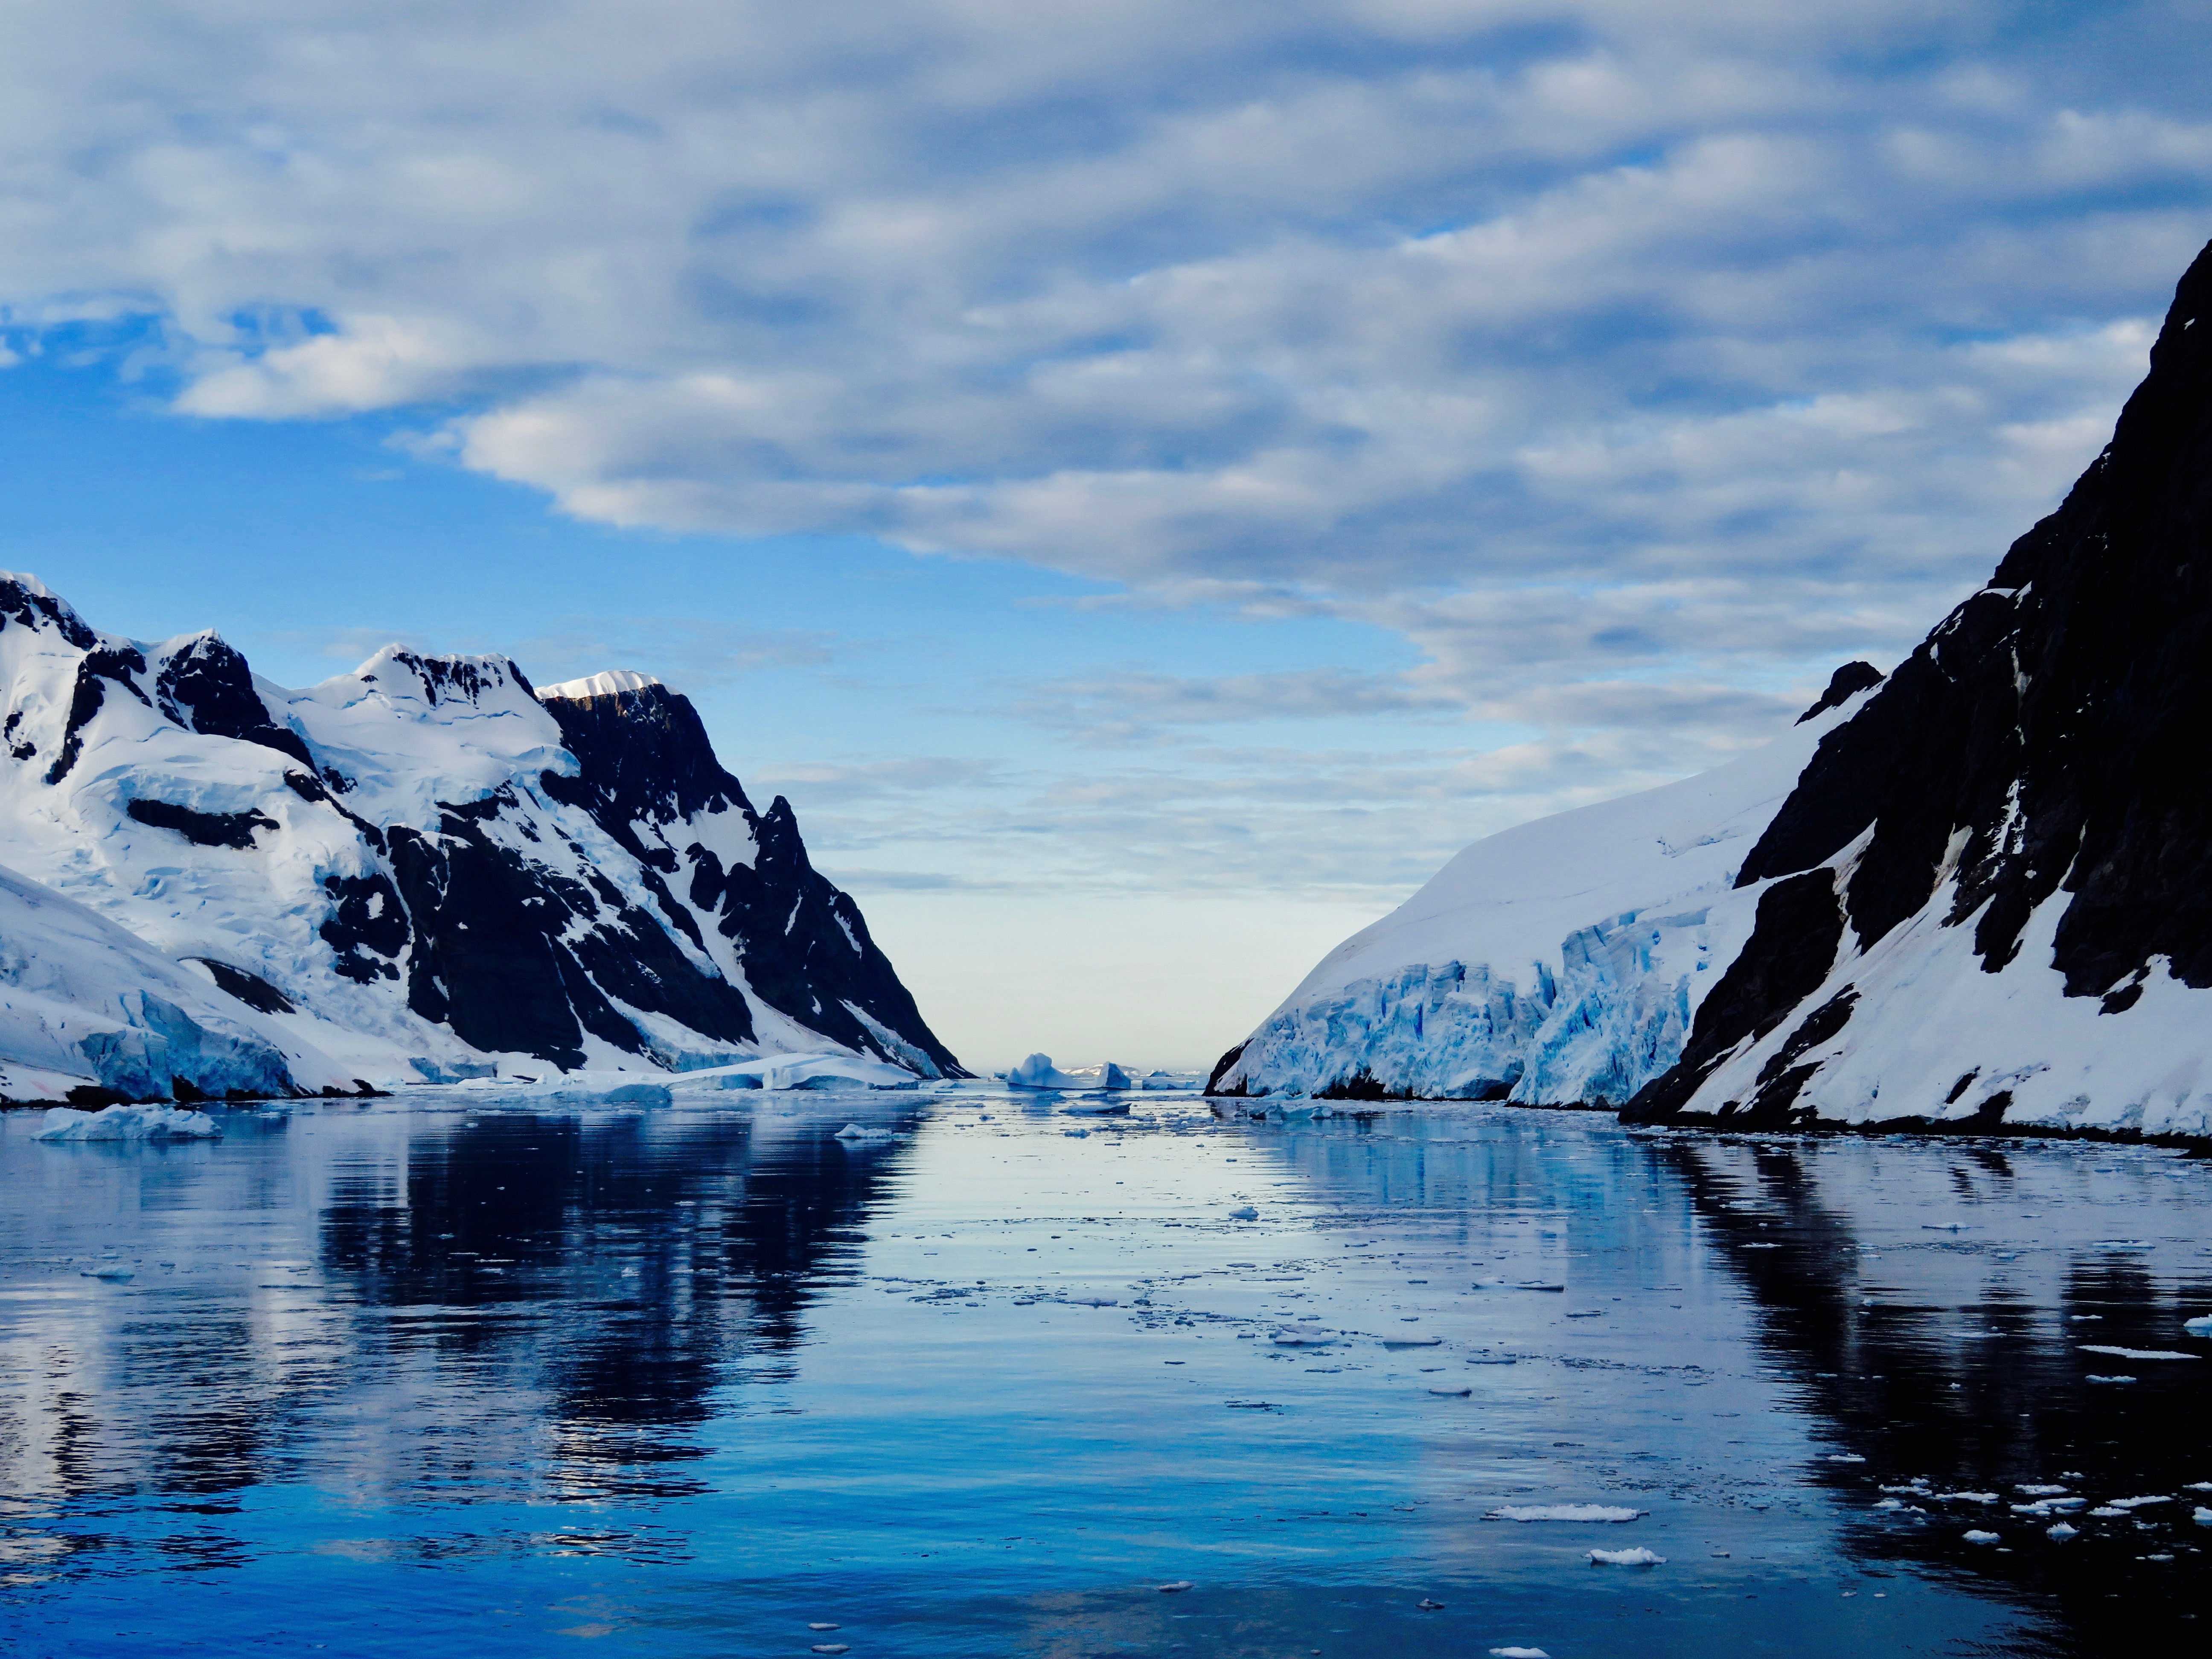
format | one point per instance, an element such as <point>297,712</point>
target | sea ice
<point>1635,1557</point>
<point>2061,1532</point>
<point>1247,1214</point>
<point>1518,1653</point>
<point>861,1131</point>
<point>1974,1535</point>
<point>1097,1108</point>
<point>2134,1353</point>
<point>2200,1326</point>
<point>126,1123</point>
<point>1562,1512</point>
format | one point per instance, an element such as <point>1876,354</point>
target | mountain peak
<point>612,683</point>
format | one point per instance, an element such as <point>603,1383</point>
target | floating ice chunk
<point>1975,1535</point>
<point>1077,1134</point>
<point>1164,1080</point>
<point>2059,1532</point>
<point>1038,1072</point>
<point>2134,1353</point>
<point>126,1123</point>
<point>2202,1516</point>
<point>1413,1342</point>
<point>1966,1496</point>
<point>1452,1393</point>
<point>1179,1584</point>
<point>1846,1458</point>
<point>1091,1301</point>
<point>115,1275</point>
<point>1247,1214</point>
<point>1518,1653</point>
<point>2092,1378</point>
<point>1111,1076</point>
<point>2106,1512</point>
<point>1097,1108</point>
<point>832,1647</point>
<point>1562,1512</point>
<point>2034,1489</point>
<point>2119,1244</point>
<point>2138,1503</point>
<point>638,1094</point>
<point>1635,1557</point>
<point>1303,1336</point>
<point>861,1132</point>
<point>2200,1326</point>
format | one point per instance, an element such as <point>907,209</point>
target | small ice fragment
<point>1518,1653</point>
<point>2107,1379</point>
<point>2202,1516</point>
<point>1453,1394</point>
<point>2106,1512</point>
<point>822,1627</point>
<point>1890,1504</point>
<point>856,1132</point>
<point>2119,1243</point>
<point>1635,1557</point>
<point>2138,1503</point>
<point>1179,1584</point>
<point>2200,1326</point>
<point>1846,1458</point>
<point>1092,1301</point>
<point>2134,1353</point>
<point>1247,1214</point>
<point>1413,1342</point>
<point>2038,1490</point>
<point>1427,1606</point>
<point>1974,1535</point>
<point>114,1274</point>
<point>1303,1336</point>
<point>1562,1512</point>
<point>833,1647</point>
<point>1077,1134</point>
<point>66,1123</point>
<point>2059,1532</point>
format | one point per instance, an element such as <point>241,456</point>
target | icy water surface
<point>443,1375</point>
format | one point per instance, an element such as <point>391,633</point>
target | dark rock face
<point>1844,685</point>
<point>2050,736</point>
<point>207,686</point>
<point>649,775</point>
<point>234,829</point>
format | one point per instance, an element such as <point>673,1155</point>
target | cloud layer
<point>1630,363</point>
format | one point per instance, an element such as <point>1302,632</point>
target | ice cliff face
<point>420,868</point>
<point>1978,892</point>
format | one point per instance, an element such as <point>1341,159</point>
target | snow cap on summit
<point>612,683</point>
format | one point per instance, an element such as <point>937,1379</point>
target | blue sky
<point>1147,481</point>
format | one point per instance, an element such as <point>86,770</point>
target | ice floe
<point>1606,1512</point>
<point>126,1123</point>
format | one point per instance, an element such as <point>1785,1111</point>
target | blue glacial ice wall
<point>1613,1015</point>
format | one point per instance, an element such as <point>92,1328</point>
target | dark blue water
<point>442,1375</point>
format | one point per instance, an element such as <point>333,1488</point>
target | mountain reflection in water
<point>397,1375</point>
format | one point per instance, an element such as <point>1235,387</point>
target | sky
<point>1147,481</point>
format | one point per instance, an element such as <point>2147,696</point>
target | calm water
<point>459,1376</point>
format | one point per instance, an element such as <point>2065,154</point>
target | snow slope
<point>1978,893</point>
<point>423,868</point>
<point>1560,960</point>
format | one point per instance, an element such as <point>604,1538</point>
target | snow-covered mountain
<point>1978,891</point>
<point>424,868</point>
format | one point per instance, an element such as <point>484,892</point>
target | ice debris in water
<point>1077,1134</point>
<point>1562,1512</point>
<point>2202,1516</point>
<point>1975,1535</point>
<point>1427,1605</point>
<point>1518,1653</point>
<point>1635,1557</point>
<point>2060,1532</point>
<point>1038,1072</point>
<point>1303,1336</point>
<point>861,1131</point>
<point>1179,1584</point>
<point>127,1123</point>
<point>1247,1214</point>
<point>2107,1379</point>
<point>2134,1353</point>
<point>2200,1326</point>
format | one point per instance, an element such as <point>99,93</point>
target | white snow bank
<point>126,1123</point>
<point>1562,1512</point>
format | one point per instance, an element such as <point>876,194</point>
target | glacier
<point>1974,894</point>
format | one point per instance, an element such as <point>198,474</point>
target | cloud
<point>1631,364</point>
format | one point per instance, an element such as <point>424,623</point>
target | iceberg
<point>66,1123</point>
<point>1038,1072</point>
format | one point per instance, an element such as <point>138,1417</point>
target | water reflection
<point>664,1376</point>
